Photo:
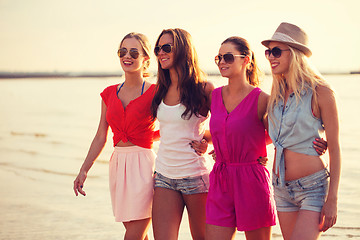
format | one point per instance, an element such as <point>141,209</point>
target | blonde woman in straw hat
<point>301,107</point>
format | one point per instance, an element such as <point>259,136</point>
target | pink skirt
<point>131,172</point>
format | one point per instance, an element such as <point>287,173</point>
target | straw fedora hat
<point>291,35</point>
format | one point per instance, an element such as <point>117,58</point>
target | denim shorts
<point>307,193</point>
<point>188,185</point>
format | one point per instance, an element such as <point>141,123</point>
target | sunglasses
<point>228,58</point>
<point>276,52</point>
<point>166,48</point>
<point>134,53</point>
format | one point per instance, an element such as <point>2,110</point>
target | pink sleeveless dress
<point>240,193</point>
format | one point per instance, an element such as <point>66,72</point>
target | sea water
<point>46,128</point>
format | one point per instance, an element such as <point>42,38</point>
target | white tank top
<point>175,157</point>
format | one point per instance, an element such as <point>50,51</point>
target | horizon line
<point>88,74</point>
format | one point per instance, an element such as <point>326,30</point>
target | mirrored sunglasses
<point>166,48</point>
<point>134,53</point>
<point>228,58</point>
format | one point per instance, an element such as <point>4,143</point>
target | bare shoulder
<point>263,98</point>
<point>323,89</point>
<point>148,85</point>
<point>264,95</point>
<point>208,87</point>
<point>325,94</point>
<point>262,104</point>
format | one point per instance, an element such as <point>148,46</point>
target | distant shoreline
<point>56,75</point>
<point>15,75</point>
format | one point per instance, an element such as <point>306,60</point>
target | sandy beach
<point>46,128</point>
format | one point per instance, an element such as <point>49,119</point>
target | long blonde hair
<point>302,76</point>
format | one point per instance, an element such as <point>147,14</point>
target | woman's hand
<point>328,215</point>
<point>263,160</point>
<point>213,155</point>
<point>199,147</point>
<point>320,146</point>
<point>79,183</point>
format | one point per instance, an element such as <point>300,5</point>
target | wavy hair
<point>243,46</point>
<point>191,77</point>
<point>302,76</point>
<point>145,44</point>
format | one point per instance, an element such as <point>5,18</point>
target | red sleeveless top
<point>134,123</point>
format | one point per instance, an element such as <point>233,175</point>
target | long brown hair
<point>191,77</point>
<point>252,72</point>
<point>145,44</point>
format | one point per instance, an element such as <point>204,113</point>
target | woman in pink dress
<point>240,195</point>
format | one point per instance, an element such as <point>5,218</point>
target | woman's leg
<point>303,224</point>
<point>168,207</point>
<point>259,234</point>
<point>137,230</point>
<point>306,226</point>
<point>216,232</point>
<point>287,222</point>
<point>195,205</point>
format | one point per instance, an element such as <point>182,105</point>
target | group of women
<point>237,193</point>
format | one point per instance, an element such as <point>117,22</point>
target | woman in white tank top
<point>181,105</point>
<point>176,159</point>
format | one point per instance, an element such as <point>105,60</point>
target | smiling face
<point>166,60</point>
<point>128,63</point>
<point>230,69</point>
<point>281,64</point>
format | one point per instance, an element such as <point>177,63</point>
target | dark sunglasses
<point>276,52</point>
<point>134,53</point>
<point>228,58</point>
<point>166,48</point>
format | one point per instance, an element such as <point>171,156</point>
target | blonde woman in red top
<point>126,109</point>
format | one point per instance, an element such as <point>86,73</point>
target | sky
<point>83,35</point>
